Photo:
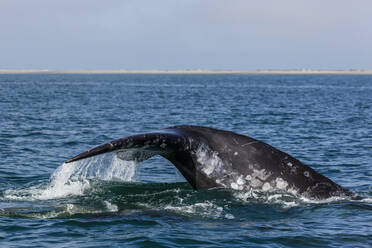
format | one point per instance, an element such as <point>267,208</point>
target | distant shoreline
<point>351,72</point>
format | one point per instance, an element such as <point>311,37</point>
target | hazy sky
<point>185,34</point>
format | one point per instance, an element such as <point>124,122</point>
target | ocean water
<point>323,120</point>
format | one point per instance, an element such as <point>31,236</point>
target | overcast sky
<point>185,34</point>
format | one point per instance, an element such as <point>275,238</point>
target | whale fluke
<point>210,158</point>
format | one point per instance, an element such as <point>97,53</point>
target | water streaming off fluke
<point>74,178</point>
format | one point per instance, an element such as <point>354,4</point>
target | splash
<point>75,178</point>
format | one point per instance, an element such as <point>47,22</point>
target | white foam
<point>229,216</point>
<point>206,209</point>
<point>322,201</point>
<point>111,207</point>
<point>283,199</point>
<point>369,200</point>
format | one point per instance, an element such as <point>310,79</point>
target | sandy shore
<point>31,71</point>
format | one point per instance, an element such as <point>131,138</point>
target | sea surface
<point>323,120</point>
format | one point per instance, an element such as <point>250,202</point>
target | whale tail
<point>210,158</point>
<point>172,144</point>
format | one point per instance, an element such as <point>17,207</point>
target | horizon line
<point>185,71</point>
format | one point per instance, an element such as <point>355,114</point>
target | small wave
<point>286,199</point>
<point>183,206</point>
<point>205,209</point>
<point>64,211</point>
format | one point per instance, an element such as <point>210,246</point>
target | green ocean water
<point>323,120</point>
